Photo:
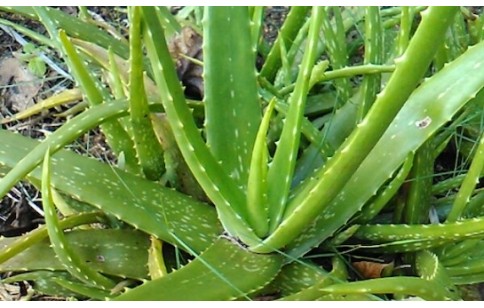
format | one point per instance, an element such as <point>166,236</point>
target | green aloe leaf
<point>335,43</point>
<point>82,289</point>
<point>44,282</point>
<point>222,190</point>
<point>430,107</point>
<point>148,149</point>
<point>64,251</point>
<point>13,246</point>
<point>225,270</point>
<point>419,189</point>
<point>116,136</point>
<point>257,180</point>
<point>232,107</point>
<point>282,166</point>
<point>373,55</point>
<point>466,228</point>
<point>410,68</point>
<point>429,268</point>
<point>376,205</point>
<point>122,253</point>
<point>413,286</point>
<point>337,274</point>
<point>294,21</point>
<point>145,205</point>
<point>61,137</point>
<point>257,18</point>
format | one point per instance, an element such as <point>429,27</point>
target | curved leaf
<point>225,271</point>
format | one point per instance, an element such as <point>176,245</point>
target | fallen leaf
<point>370,270</point>
<point>21,85</point>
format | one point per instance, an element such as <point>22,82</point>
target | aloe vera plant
<point>293,161</point>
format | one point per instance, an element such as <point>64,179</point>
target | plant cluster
<point>283,179</point>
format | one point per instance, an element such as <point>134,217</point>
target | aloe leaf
<point>288,280</point>
<point>335,41</point>
<point>419,189</point>
<point>57,140</point>
<point>294,51</point>
<point>475,26</point>
<point>257,180</point>
<point>108,251</point>
<point>473,227</point>
<point>222,190</point>
<point>318,70</point>
<point>413,286</point>
<point>372,209</point>
<point>448,184</point>
<point>474,207</point>
<point>44,282</point>
<point>337,274</point>
<point>115,74</point>
<point>337,172</point>
<point>117,137</point>
<point>285,71</point>
<point>429,268</point>
<point>309,131</point>
<point>133,199</point>
<point>348,297</point>
<point>455,254</point>
<point>169,22</point>
<point>373,55</point>
<point>107,60</point>
<point>406,20</point>
<point>117,78</point>
<point>467,268</point>
<point>43,40</point>
<point>11,247</point>
<point>468,279</point>
<point>380,155</point>
<point>72,261</point>
<point>88,83</point>
<point>294,21</point>
<point>334,132</point>
<point>341,237</point>
<point>82,289</point>
<point>459,35</point>
<point>257,18</point>
<point>232,108</point>
<point>148,149</point>
<point>366,69</point>
<point>145,205</point>
<point>403,246</point>
<point>178,173</point>
<point>225,270</point>
<point>282,166</point>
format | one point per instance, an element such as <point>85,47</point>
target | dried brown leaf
<point>370,270</point>
<point>22,86</point>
